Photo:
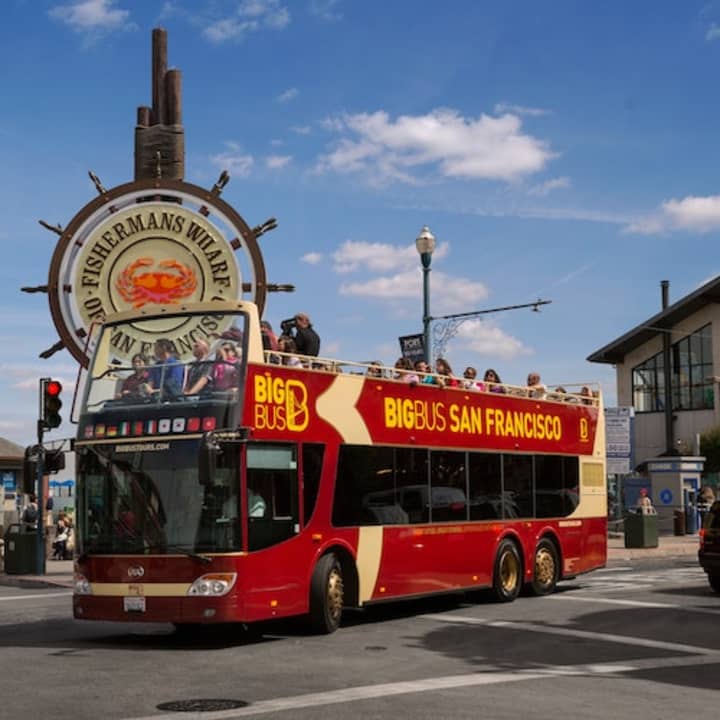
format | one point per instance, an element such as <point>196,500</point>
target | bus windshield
<point>149,498</point>
<point>187,359</point>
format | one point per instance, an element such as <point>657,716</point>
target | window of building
<point>691,366</point>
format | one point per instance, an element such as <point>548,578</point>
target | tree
<point>710,448</point>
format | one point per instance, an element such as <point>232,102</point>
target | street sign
<point>619,439</point>
<point>412,347</point>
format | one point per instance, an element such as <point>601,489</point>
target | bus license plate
<point>134,604</point>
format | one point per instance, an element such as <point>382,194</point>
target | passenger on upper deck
<point>422,367</point>
<point>493,382</point>
<point>199,370</point>
<point>221,374</point>
<point>470,381</point>
<point>404,371</point>
<point>135,386</point>
<point>536,389</point>
<point>226,371</point>
<point>587,394</point>
<point>444,374</point>
<point>287,345</point>
<point>375,369</point>
<point>166,375</point>
<point>269,340</point>
<point>306,339</point>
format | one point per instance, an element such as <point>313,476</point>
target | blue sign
<point>8,480</point>
<point>666,496</point>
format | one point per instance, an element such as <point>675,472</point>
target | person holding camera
<point>307,341</point>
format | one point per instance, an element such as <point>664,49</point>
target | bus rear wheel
<point>507,575</point>
<point>326,595</point>
<point>714,581</point>
<point>547,568</point>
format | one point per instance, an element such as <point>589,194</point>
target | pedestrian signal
<point>50,403</point>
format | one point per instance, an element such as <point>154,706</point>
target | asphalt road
<point>640,640</point>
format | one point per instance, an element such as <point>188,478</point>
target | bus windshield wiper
<point>204,559</point>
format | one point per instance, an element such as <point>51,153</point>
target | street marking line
<point>362,692</point>
<point>638,603</point>
<point>447,682</point>
<point>39,595</point>
<point>566,632</point>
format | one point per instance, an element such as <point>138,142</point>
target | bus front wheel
<point>326,595</point>
<point>507,575</point>
<point>547,568</point>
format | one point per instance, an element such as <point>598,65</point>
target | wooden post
<point>159,129</point>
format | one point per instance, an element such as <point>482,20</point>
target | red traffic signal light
<point>53,388</point>
<point>50,403</point>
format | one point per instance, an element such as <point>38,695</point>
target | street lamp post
<point>425,244</point>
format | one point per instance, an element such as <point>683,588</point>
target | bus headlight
<point>81,585</point>
<point>213,584</point>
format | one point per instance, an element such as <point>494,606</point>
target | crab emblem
<point>162,287</point>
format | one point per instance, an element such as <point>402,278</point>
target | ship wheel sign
<point>149,244</point>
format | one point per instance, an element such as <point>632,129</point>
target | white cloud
<point>409,148</point>
<point>713,33</point>
<point>325,9</point>
<point>449,293</point>
<point>229,29</point>
<point>275,162</point>
<point>502,108</point>
<point>379,257</point>
<point>488,340</point>
<point>233,160</point>
<point>289,94</point>
<point>312,258</point>
<point>250,16</point>
<point>92,16</point>
<point>301,129</point>
<point>694,214</point>
<point>548,186</point>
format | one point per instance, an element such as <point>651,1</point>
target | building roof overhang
<point>664,321</point>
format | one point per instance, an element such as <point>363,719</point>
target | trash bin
<point>678,522</point>
<point>20,551</point>
<point>690,520</point>
<point>641,530</point>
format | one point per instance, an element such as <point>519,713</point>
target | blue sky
<point>561,150</point>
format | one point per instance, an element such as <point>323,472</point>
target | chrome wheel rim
<point>509,571</point>
<point>544,567</point>
<point>335,593</point>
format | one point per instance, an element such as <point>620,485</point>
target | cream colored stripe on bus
<point>148,589</point>
<point>593,495</point>
<point>337,407</point>
<point>370,540</point>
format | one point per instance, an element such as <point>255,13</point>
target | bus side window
<point>312,459</point>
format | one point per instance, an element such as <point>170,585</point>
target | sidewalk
<point>59,573</point>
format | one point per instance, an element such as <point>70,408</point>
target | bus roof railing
<point>587,393</point>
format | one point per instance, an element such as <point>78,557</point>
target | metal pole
<point>426,258</point>
<point>668,398</point>
<point>40,546</point>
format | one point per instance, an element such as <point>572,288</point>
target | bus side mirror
<point>207,465</point>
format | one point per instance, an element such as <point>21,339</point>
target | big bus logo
<point>280,404</point>
<point>584,430</point>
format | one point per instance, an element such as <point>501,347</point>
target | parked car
<point>709,553</point>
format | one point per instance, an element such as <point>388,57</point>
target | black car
<point>709,553</point>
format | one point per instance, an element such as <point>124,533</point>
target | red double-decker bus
<point>306,490</point>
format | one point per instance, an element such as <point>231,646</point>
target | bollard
<point>678,522</point>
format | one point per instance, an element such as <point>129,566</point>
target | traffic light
<point>54,460</point>
<point>50,403</point>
